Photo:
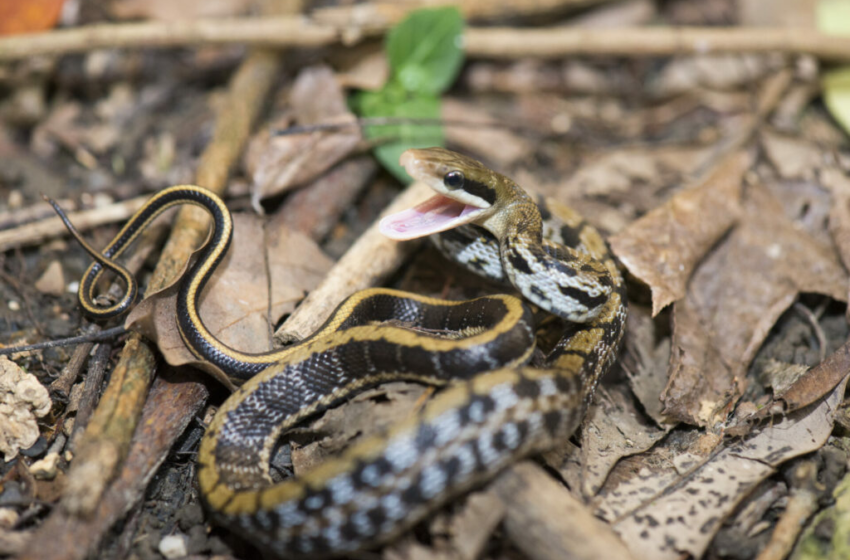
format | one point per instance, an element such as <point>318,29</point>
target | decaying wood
<point>548,523</point>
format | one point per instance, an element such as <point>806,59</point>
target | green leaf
<point>396,138</point>
<point>836,95</point>
<point>833,18</point>
<point>425,51</point>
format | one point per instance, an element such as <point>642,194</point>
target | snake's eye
<point>453,179</point>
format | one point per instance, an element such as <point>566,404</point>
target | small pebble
<point>14,305</point>
<point>15,200</point>
<point>52,280</point>
<point>11,494</point>
<point>8,518</point>
<point>174,546</point>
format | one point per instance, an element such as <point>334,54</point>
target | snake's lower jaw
<point>438,213</point>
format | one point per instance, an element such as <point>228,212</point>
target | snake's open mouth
<point>436,214</point>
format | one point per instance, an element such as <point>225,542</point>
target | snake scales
<point>493,410</point>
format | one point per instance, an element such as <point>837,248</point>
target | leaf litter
<point>722,250</point>
<point>237,307</point>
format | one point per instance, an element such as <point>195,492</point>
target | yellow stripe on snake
<point>493,410</point>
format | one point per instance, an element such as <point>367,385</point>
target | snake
<point>497,402</point>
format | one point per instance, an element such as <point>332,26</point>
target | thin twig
<point>395,121</point>
<point>503,43</point>
<point>74,340</point>
<point>802,504</point>
<point>35,232</point>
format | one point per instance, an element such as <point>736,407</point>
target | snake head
<point>466,190</point>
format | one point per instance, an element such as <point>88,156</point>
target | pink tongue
<point>432,216</point>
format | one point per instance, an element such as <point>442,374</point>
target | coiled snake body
<point>494,409</point>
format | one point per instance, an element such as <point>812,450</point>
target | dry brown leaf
<point>637,479</point>
<point>792,157</point>
<point>498,146</point>
<point>369,71</point>
<point>796,14</point>
<point>613,429</point>
<point>663,247</point>
<point>168,10</point>
<point>723,72</point>
<point>52,280</point>
<point>645,362</point>
<point>565,459</point>
<point>818,381</point>
<point>682,518</point>
<point>617,171</point>
<point>278,163</point>
<point>236,306</point>
<point>734,298</point>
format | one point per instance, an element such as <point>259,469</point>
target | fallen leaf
<point>683,518</point>
<point>645,362</point>
<point>818,381</point>
<point>29,16</point>
<point>733,300</point>
<point>797,14</point>
<point>496,145</point>
<point>613,428</point>
<point>279,163</point>
<point>368,71</point>
<point>714,71</point>
<point>52,280</point>
<point>22,400</point>
<point>637,479</point>
<point>663,247</point>
<point>792,157</point>
<point>618,171</point>
<point>236,306</point>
